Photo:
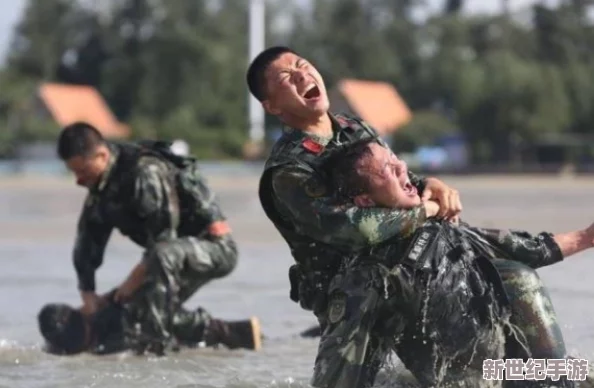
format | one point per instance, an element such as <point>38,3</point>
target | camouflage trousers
<point>358,333</point>
<point>176,270</point>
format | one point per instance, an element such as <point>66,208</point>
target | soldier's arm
<point>155,201</point>
<point>534,250</point>
<point>317,215</point>
<point>91,239</point>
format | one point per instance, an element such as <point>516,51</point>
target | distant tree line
<point>509,83</point>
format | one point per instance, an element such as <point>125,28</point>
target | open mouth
<point>312,93</point>
<point>409,189</point>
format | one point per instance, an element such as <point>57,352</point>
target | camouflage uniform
<point>324,234</point>
<point>118,327</point>
<point>444,300</point>
<point>162,203</point>
<point>320,232</point>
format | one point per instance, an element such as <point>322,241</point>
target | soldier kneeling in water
<point>445,296</point>
<point>115,327</point>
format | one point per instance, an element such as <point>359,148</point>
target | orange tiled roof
<point>378,103</point>
<point>71,103</point>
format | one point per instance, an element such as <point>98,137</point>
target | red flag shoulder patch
<point>312,146</point>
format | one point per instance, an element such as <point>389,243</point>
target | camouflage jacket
<point>118,327</point>
<point>440,287</point>
<point>149,195</point>
<point>320,231</point>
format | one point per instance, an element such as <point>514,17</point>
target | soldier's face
<point>387,181</point>
<point>295,89</point>
<point>88,170</point>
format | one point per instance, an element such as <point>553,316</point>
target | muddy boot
<point>237,334</point>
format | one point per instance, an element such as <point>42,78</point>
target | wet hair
<point>256,73</point>
<point>78,139</point>
<point>62,327</point>
<point>342,169</point>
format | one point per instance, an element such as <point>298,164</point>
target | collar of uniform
<point>113,157</point>
<point>337,126</point>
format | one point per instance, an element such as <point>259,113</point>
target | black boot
<point>237,334</point>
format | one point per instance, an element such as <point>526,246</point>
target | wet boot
<point>236,334</point>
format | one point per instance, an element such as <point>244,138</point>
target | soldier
<point>161,202</point>
<point>292,189</point>
<point>452,295</point>
<point>112,328</point>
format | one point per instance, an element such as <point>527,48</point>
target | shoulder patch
<point>336,309</point>
<point>314,188</point>
<point>312,146</point>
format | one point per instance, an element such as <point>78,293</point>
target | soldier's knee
<point>232,252</point>
<point>163,256</point>
<point>230,255</point>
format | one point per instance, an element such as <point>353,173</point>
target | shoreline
<point>229,180</point>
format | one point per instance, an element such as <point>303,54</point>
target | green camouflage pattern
<point>303,196</point>
<point>177,270</point>
<point>305,199</point>
<point>164,205</point>
<point>119,328</point>
<point>441,313</point>
<point>320,231</point>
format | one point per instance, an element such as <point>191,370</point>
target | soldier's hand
<point>91,303</point>
<point>431,208</point>
<point>119,296</point>
<point>590,235</point>
<point>450,205</point>
<point>455,220</point>
<point>123,293</point>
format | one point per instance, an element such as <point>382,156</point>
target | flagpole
<point>256,45</point>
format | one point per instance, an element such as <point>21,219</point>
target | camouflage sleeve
<point>314,212</point>
<point>206,208</point>
<point>155,200</point>
<point>535,251</point>
<point>91,239</point>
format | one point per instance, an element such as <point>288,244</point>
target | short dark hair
<point>256,73</point>
<point>78,139</point>
<point>347,182</point>
<point>62,327</point>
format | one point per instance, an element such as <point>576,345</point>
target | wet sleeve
<point>535,251</point>
<point>156,202</point>
<point>91,239</point>
<point>308,204</point>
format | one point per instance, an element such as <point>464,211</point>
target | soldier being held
<point>293,192</point>
<point>445,298</point>
<point>113,328</point>
<point>161,202</point>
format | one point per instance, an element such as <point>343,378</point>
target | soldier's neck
<point>320,126</point>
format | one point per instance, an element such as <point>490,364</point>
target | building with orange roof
<point>66,104</point>
<point>377,103</point>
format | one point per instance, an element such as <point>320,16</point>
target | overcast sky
<point>10,12</point>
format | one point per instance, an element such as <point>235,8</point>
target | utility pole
<point>505,7</point>
<point>256,45</point>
